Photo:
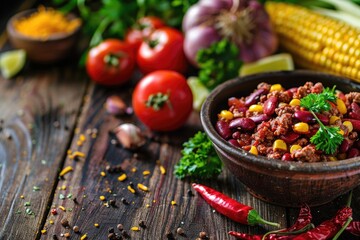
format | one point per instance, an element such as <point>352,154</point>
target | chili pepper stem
<point>343,228</point>
<point>348,203</point>
<point>255,218</point>
<point>278,232</point>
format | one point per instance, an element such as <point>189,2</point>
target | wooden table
<point>45,110</point>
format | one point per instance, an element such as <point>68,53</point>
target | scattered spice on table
<point>53,211</point>
<point>62,208</point>
<point>46,22</point>
<point>76,229</point>
<point>64,222</point>
<point>180,231</point>
<point>120,227</point>
<point>61,196</point>
<point>354,228</point>
<point>36,188</point>
<point>65,171</point>
<point>122,177</point>
<point>131,189</point>
<point>142,187</point>
<point>231,208</point>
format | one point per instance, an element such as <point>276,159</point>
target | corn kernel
<point>135,229</point>
<point>294,148</point>
<point>146,172</point>
<point>341,132</point>
<point>332,158</point>
<point>131,189</point>
<point>62,208</point>
<point>227,115</point>
<point>103,174</point>
<point>43,231</point>
<point>349,125</point>
<point>102,198</point>
<point>279,144</point>
<point>341,106</point>
<point>253,150</point>
<point>51,222</point>
<point>256,108</point>
<point>162,170</point>
<point>96,225</point>
<point>301,127</point>
<point>333,119</point>
<point>295,102</point>
<point>142,187</point>
<point>173,202</point>
<point>82,138</point>
<point>122,177</point>
<point>83,237</point>
<point>65,171</point>
<point>276,87</point>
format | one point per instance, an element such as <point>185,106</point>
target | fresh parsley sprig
<point>326,138</point>
<point>199,159</point>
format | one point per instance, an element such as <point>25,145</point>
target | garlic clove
<point>115,105</point>
<point>130,136</point>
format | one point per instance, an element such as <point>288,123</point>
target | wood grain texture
<point>31,147</point>
<point>153,207</point>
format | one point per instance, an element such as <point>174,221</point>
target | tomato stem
<point>157,100</point>
<point>112,59</point>
<point>153,43</point>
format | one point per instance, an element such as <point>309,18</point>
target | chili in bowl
<point>290,137</point>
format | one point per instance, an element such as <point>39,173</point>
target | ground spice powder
<point>46,22</point>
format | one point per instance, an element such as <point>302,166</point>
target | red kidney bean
<point>243,123</point>
<point>242,109</point>
<point>357,144</point>
<point>323,118</point>
<point>270,105</point>
<point>222,127</point>
<point>233,101</point>
<point>260,118</point>
<point>354,115</point>
<point>236,135</point>
<point>290,137</point>
<point>293,90</point>
<point>304,116</point>
<point>353,152</point>
<point>355,108</point>
<point>312,132</point>
<point>341,95</point>
<point>234,142</point>
<point>254,97</point>
<point>355,123</point>
<point>287,157</point>
<point>345,145</point>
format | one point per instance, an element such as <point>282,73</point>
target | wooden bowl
<point>54,48</point>
<point>280,182</point>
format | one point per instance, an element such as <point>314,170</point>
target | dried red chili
<point>302,222</point>
<point>328,228</point>
<point>231,208</point>
<point>354,228</point>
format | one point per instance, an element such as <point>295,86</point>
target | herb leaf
<point>218,63</point>
<point>199,159</point>
<point>319,102</point>
<point>327,139</point>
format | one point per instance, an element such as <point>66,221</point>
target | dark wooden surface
<point>45,110</point>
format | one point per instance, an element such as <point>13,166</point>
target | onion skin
<point>198,38</point>
<point>208,14</point>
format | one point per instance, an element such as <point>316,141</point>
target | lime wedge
<point>278,62</point>
<point>11,62</point>
<point>199,91</point>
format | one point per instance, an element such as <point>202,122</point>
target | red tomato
<point>142,30</point>
<point>162,100</point>
<point>112,62</point>
<point>163,51</point>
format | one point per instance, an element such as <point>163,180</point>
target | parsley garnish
<point>326,138</point>
<point>218,63</point>
<point>199,159</point>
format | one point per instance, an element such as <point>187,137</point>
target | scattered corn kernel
<point>96,225</point>
<point>276,87</point>
<point>147,205</point>
<point>256,108</point>
<point>253,150</point>
<point>295,102</point>
<point>51,222</point>
<point>162,170</point>
<point>173,202</point>
<point>22,197</point>
<point>279,144</point>
<point>103,174</point>
<point>301,127</point>
<point>131,189</point>
<point>79,143</point>
<point>333,119</point>
<point>83,237</point>
<point>43,231</point>
<point>227,115</point>
<point>146,172</point>
<point>142,187</point>
<point>77,130</point>
<point>62,208</point>
<point>102,198</point>
<point>65,171</point>
<point>349,125</point>
<point>63,187</point>
<point>69,151</point>
<point>341,106</point>
<point>77,154</point>
<point>134,169</point>
<point>294,148</point>
<point>332,158</point>
<point>122,177</point>
<point>341,132</point>
<point>135,229</point>
<point>82,137</point>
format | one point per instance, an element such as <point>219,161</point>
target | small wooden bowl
<point>280,182</point>
<point>56,47</point>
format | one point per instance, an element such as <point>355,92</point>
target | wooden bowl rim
<point>313,168</point>
<point>52,38</point>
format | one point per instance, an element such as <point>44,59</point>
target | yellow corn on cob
<point>317,42</point>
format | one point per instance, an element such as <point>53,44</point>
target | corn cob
<point>317,42</point>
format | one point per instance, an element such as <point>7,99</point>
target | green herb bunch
<point>326,138</point>
<point>199,159</point>
<point>218,63</point>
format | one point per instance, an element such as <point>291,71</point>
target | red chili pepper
<point>231,208</point>
<point>328,228</point>
<point>354,228</point>
<point>303,220</point>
